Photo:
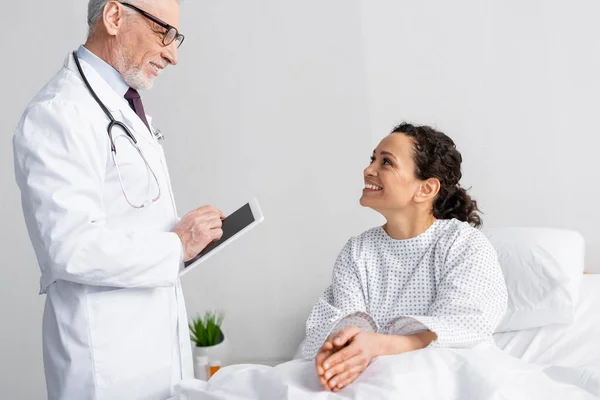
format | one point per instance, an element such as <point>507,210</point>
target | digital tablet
<point>234,225</point>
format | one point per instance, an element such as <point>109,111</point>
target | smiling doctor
<point>101,216</point>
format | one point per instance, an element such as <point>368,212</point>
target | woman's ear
<point>428,189</point>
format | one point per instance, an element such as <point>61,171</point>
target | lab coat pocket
<point>131,334</point>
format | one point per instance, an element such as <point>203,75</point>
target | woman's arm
<point>470,301</point>
<point>471,295</point>
<point>393,344</point>
<point>343,304</point>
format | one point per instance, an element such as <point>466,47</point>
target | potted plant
<point>207,335</point>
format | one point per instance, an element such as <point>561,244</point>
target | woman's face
<point>390,182</point>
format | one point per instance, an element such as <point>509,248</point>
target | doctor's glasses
<point>172,34</point>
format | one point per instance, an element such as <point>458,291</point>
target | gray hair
<point>96,8</point>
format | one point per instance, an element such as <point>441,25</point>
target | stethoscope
<point>114,123</point>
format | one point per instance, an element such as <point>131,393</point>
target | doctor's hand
<point>198,228</point>
<point>345,355</point>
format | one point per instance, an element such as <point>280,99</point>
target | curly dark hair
<point>435,156</point>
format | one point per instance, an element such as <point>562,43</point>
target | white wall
<point>284,100</point>
<point>515,83</point>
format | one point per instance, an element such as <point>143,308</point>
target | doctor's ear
<point>113,17</point>
<point>428,189</point>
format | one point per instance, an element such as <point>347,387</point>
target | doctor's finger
<point>207,210</point>
<point>210,220</point>
<point>203,209</point>
<point>216,233</point>
<point>214,222</point>
<point>217,212</point>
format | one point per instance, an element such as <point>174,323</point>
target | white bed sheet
<point>573,345</point>
<point>567,358</point>
<point>430,374</point>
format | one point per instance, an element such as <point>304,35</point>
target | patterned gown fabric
<point>446,280</point>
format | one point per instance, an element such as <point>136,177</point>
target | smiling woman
<point>427,277</point>
<point>416,158</point>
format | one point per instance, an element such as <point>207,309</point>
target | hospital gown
<point>446,280</point>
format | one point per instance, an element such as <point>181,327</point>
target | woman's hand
<point>345,355</point>
<point>326,350</point>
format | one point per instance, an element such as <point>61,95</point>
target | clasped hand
<point>344,356</point>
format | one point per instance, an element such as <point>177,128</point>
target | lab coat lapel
<point>105,93</point>
<point>116,104</point>
<point>121,111</point>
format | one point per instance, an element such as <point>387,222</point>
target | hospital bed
<point>576,344</point>
<point>554,361</point>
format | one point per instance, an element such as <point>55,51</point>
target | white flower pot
<point>214,353</point>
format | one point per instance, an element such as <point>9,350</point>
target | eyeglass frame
<point>160,22</point>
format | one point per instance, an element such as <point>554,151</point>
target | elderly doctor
<point>101,215</point>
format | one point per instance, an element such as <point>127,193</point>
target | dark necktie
<point>135,102</point>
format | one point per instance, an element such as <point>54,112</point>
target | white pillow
<point>542,268</point>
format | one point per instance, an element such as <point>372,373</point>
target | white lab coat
<point>115,324</point>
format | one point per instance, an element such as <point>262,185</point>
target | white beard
<point>133,75</point>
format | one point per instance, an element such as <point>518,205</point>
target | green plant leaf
<point>206,331</point>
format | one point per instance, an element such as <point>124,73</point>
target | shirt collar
<point>105,70</point>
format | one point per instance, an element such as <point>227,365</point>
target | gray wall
<point>515,83</point>
<point>270,102</point>
<point>32,53</point>
<point>285,100</point>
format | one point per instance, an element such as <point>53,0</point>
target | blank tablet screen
<point>232,224</point>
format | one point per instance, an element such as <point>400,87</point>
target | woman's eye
<point>384,161</point>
